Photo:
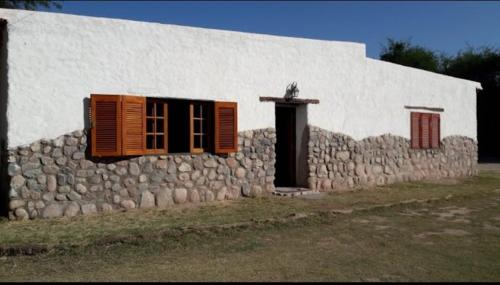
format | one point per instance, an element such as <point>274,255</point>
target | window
<point>425,130</point>
<point>198,113</point>
<point>156,126</point>
<point>133,125</point>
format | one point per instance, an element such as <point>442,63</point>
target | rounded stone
<point>147,200</point>
<point>245,190</point>
<point>221,194</point>
<point>240,172</point>
<point>184,167</point>
<point>128,204</point>
<point>134,169</point>
<point>51,183</point>
<point>256,191</point>
<point>194,196</point>
<point>21,214</point>
<point>52,211</point>
<point>14,204</point>
<point>88,209</point>
<point>180,195</point>
<point>209,196</point>
<point>80,188</point>
<point>164,198</point>
<point>72,210</point>
<point>17,181</point>
<point>106,208</point>
<point>14,169</point>
<point>211,163</point>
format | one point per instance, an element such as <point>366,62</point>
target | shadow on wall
<point>4,178</point>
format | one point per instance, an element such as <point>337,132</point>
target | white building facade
<point>357,121</point>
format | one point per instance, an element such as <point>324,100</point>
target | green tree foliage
<point>480,64</point>
<point>404,53</point>
<point>29,4</point>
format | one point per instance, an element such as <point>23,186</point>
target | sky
<point>445,26</point>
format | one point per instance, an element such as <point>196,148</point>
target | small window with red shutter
<point>425,130</point>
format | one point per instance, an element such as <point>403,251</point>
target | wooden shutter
<point>415,130</point>
<point>435,130</point>
<point>424,130</point>
<point>133,125</point>
<point>106,125</point>
<point>226,127</point>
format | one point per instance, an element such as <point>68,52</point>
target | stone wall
<point>53,178</point>
<point>337,162</point>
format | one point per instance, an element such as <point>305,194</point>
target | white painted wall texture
<point>55,61</point>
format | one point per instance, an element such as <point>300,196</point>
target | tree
<point>404,53</point>
<point>29,4</point>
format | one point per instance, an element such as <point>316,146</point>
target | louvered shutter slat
<point>435,131</point>
<point>106,125</point>
<point>226,127</point>
<point>415,130</point>
<point>134,125</point>
<point>425,132</point>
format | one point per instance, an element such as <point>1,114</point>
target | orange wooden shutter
<point>133,125</point>
<point>226,127</point>
<point>415,130</point>
<point>106,125</point>
<point>435,131</point>
<point>424,130</point>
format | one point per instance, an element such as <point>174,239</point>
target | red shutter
<point>424,130</point>
<point>415,130</point>
<point>133,125</point>
<point>226,127</point>
<point>106,125</point>
<point>435,131</point>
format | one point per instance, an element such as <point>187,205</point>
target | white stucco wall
<point>55,61</point>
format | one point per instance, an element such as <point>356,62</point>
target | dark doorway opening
<point>285,146</point>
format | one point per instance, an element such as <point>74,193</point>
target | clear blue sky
<point>440,26</point>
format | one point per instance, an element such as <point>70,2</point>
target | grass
<point>454,239</point>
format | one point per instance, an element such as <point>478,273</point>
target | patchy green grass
<point>454,239</point>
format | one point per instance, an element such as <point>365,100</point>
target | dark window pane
<point>149,125</point>
<point>150,141</point>
<point>197,141</point>
<point>197,110</point>
<point>197,126</point>
<point>160,125</point>
<point>204,128</point>
<point>159,110</point>
<point>204,141</point>
<point>150,108</point>
<point>159,142</point>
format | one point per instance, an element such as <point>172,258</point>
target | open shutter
<point>415,130</point>
<point>435,130</point>
<point>106,125</point>
<point>424,130</point>
<point>133,125</point>
<point>226,127</point>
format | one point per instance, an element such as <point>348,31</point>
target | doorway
<point>291,145</point>
<point>285,146</point>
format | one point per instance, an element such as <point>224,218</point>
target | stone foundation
<point>53,178</point>
<point>336,161</point>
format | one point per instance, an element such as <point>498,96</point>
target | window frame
<point>417,142</point>
<point>155,118</point>
<point>208,120</point>
<point>205,116</point>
